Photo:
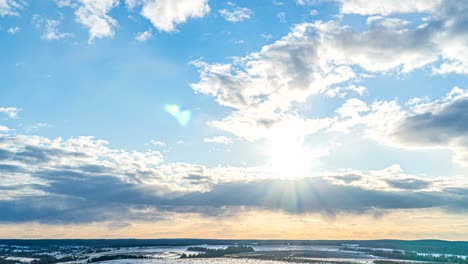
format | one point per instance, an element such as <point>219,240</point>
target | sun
<point>288,156</point>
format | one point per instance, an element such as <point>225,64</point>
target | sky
<point>298,119</point>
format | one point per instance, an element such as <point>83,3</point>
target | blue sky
<point>303,91</point>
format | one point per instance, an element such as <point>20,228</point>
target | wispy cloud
<point>11,112</point>
<point>236,13</point>
<point>219,140</point>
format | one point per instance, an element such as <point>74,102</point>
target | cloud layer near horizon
<point>82,180</point>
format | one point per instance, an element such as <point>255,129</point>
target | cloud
<point>235,13</point>
<point>443,123</point>
<point>387,22</point>
<point>82,180</point>
<point>421,124</point>
<point>263,88</point>
<point>281,16</point>
<point>166,14</point>
<point>315,195</point>
<point>442,36</point>
<point>387,7</point>
<point>11,112</point>
<point>304,2</point>
<point>66,3</point>
<point>157,143</point>
<point>342,92</point>
<point>4,129</point>
<point>49,27</point>
<point>93,14</point>
<point>131,4</point>
<point>144,36</point>
<point>408,183</point>
<point>11,7</point>
<point>262,85</point>
<point>13,30</point>
<point>219,140</point>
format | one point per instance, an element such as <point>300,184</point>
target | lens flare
<point>181,115</point>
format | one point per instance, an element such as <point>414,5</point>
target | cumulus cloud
<point>440,124</point>
<point>442,36</point>
<point>435,124</point>
<point>236,13</point>
<point>166,14</point>
<point>93,14</point>
<point>11,7</point>
<point>263,87</point>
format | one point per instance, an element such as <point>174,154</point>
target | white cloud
<point>166,14</point>
<point>277,2</point>
<point>4,129</point>
<point>236,13</point>
<point>341,92</point>
<point>387,7</point>
<point>451,67</point>
<point>442,36</point>
<point>305,2</point>
<point>131,4</point>
<point>157,143</point>
<point>11,7</point>
<point>219,140</point>
<point>440,124</point>
<point>266,36</point>
<point>66,3</point>
<point>50,28</point>
<point>352,108</point>
<point>93,14</point>
<point>263,87</point>
<point>11,112</point>
<point>144,36</point>
<point>13,30</point>
<point>387,22</point>
<point>35,127</point>
<point>281,16</point>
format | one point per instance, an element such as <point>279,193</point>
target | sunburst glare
<point>289,157</point>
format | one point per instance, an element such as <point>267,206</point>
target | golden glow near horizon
<point>250,224</point>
